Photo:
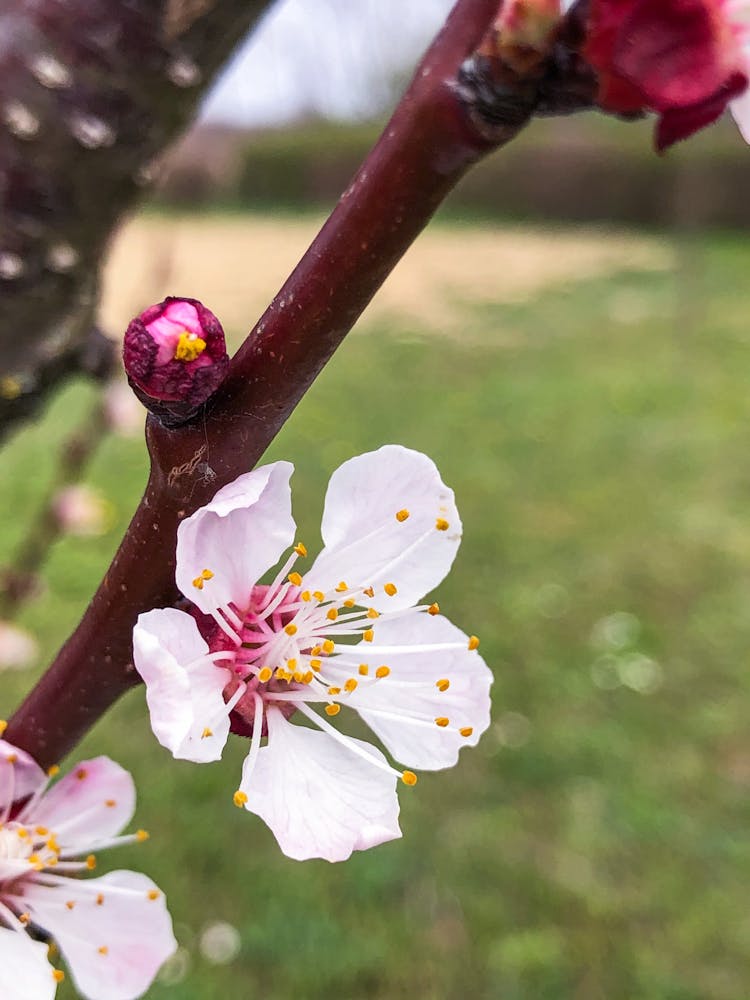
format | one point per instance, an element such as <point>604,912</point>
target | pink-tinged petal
<point>237,537</point>
<point>388,519</point>
<point>92,803</point>
<point>411,688</point>
<point>183,687</point>
<point>25,973</point>
<point>320,799</point>
<point>20,775</point>
<point>116,935</point>
<point>740,108</point>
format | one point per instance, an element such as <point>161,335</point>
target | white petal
<point>238,536</point>
<point>20,775</point>
<point>319,798</point>
<point>466,702</point>
<point>183,690</point>
<point>25,973</point>
<point>367,545</point>
<point>740,108</point>
<point>93,802</point>
<point>113,948</point>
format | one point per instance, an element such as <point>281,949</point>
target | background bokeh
<point>583,389</point>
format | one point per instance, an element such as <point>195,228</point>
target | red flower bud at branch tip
<point>175,357</point>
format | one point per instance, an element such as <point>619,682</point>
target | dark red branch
<point>433,137</point>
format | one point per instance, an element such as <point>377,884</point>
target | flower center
<point>189,346</point>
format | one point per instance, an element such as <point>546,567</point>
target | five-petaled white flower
<point>345,632</point>
<point>114,931</point>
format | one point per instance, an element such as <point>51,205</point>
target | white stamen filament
<point>345,740</point>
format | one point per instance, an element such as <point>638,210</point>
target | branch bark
<point>441,126</point>
<point>91,92</point>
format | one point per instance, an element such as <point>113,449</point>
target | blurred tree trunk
<point>91,91</point>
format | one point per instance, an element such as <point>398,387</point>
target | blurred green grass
<point>595,846</point>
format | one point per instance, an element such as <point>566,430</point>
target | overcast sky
<point>336,58</point>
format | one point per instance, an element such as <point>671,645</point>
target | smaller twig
<point>18,581</point>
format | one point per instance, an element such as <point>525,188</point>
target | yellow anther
<point>58,975</point>
<point>369,591</point>
<point>308,677</point>
<point>141,835</point>
<point>103,949</point>
<point>207,574</point>
<point>81,773</point>
<point>41,831</point>
<point>382,672</point>
<point>316,664</point>
<point>401,515</point>
<point>350,685</point>
<point>333,709</point>
<point>198,583</point>
<point>301,549</point>
<point>3,726</point>
<point>368,635</point>
<point>473,642</point>
<point>318,595</point>
<point>443,684</point>
<point>334,690</point>
<point>100,900</point>
<point>265,674</point>
<point>409,778</point>
<point>316,651</point>
<point>70,904</point>
<point>372,613</point>
<point>33,859</point>
<point>110,803</point>
<point>11,758</point>
<point>390,589</point>
<point>466,731</point>
<point>291,664</point>
<point>53,771</point>
<point>299,677</point>
<point>441,524</point>
<point>341,587</point>
<point>434,609</point>
<point>25,918</point>
<point>189,347</point>
<point>442,721</point>
<point>349,602</point>
<point>91,862</point>
<point>328,646</point>
<point>364,670</point>
<point>290,629</point>
<point>281,674</point>
<point>22,832</point>
<point>239,798</point>
<point>206,733</point>
<point>153,894</point>
<point>10,387</point>
<point>332,614</point>
<point>295,579</point>
<point>305,595</point>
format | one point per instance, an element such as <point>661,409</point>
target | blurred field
<point>234,263</point>
<point>595,846</point>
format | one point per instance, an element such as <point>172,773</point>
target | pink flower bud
<point>175,356</point>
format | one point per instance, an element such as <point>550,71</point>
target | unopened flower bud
<point>175,357</point>
<point>18,649</point>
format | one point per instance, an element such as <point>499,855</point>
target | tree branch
<point>438,130</point>
<point>91,92</point>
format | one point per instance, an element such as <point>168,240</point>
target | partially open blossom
<point>175,355</point>
<point>81,510</point>
<point>114,932</point>
<point>346,632</point>
<point>685,60</point>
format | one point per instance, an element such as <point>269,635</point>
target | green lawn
<point>596,846</point>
